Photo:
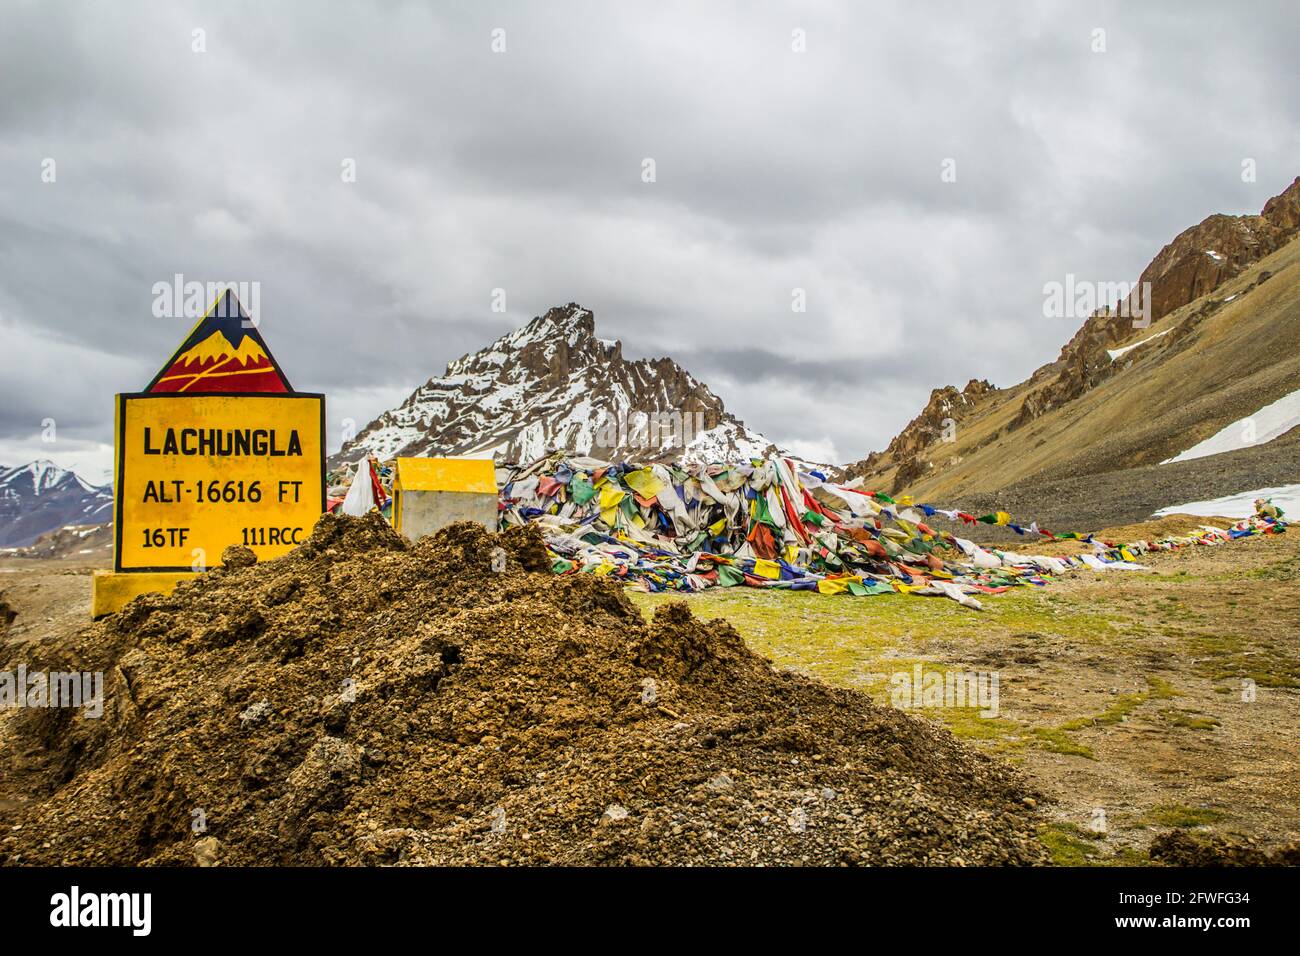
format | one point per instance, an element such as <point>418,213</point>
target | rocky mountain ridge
<point>553,384</point>
<point>1196,263</point>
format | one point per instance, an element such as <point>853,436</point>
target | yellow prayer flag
<point>833,585</point>
<point>643,482</point>
<point>610,496</point>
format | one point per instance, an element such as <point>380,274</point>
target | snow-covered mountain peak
<point>553,384</point>
<point>41,496</point>
<point>38,476</point>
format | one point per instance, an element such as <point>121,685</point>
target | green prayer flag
<point>730,576</point>
<point>582,490</point>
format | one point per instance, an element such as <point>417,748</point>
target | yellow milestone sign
<point>196,473</point>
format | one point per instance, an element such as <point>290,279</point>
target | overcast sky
<point>775,169</point>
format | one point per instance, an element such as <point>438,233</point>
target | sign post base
<point>111,590</point>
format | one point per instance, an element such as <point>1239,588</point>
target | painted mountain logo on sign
<point>224,352</point>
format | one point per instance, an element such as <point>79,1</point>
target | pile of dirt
<point>1186,849</point>
<point>362,701</point>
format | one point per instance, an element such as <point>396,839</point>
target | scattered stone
<point>329,763</point>
<point>720,782</point>
<point>206,851</point>
<point>237,556</point>
<point>255,713</point>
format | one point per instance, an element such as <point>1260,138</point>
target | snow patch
<point>1116,353</point>
<point>1271,421</point>
<point>1240,505</point>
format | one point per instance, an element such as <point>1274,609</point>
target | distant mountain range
<point>553,384</point>
<point>40,496</point>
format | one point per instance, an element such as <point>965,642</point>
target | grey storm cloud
<point>521,170</point>
<point>761,365</point>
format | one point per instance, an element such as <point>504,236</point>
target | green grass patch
<point>862,642</point>
<point>1286,570</point>
<point>1058,741</point>
<point>832,637</point>
<point>1190,719</point>
<point>1118,710</point>
<point>1161,689</point>
<point>966,722</point>
<point>1069,845</point>
<point>1124,705</point>
<point>1182,816</point>
<point>1224,656</point>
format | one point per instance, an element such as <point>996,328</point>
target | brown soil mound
<point>363,702</point>
<point>1186,849</point>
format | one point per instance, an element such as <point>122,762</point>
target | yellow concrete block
<point>431,493</point>
<point>111,590</point>
<point>475,475</point>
